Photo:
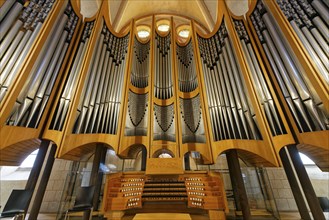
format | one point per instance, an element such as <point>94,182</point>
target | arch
<point>237,9</point>
<point>82,152</point>
<point>319,155</point>
<point>13,155</point>
<point>157,153</point>
<point>133,150</point>
<point>250,158</point>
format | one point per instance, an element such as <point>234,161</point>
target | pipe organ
<point>254,83</point>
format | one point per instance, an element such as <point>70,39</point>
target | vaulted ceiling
<point>202,11</point>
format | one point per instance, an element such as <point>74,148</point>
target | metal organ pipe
<point>304,104</point>
<point>186,68</point>
<point>10,18</point>
<point>31,95</point>
<point>140,64</point>
<point>259,81</point>
<point>99,106</point>
<point>231,113</point>
<point>5,8</point>
<point>163,84</point>
<point>67,94</point>
<point>33,82</point>
<point>16,45</point>
<point>299,13</point>
<point>87,88</point>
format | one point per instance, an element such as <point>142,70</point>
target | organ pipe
<point>261,86</point>
<point>26,23</point>
<point>32,99</point>
<point>187,76</point>
<point>163,84</point>
<point>140,64</point>
<point>305,105</point>
<point>71,83</point>
<point>311,30</point>
<point>113,63</point>
<point>231,114</point>
<point>98,68</point>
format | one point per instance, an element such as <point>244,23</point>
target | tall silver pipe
<point>294,73</point>
<point>7,54</point>
<point>259,88</point>
<point>10,37</point>
<point>319,43</point>
<point>70,84</point>
<point>113,99</point>
<point>10,18</point>
<point>208,92</point>
<point>100,95</point>
<point>321,28</point>
<point>5,8</point>
<point>244,99</point>
<point>225,90</point>
<point>49,76</point>
<point>13,65</point>
<point>107,103</point>
<point>234,97</point>
<point>315,57</point>
<point>102,111</point>
<point>156,80</point>
<point>321,9</point>
<point>267,93</point>
<point>86,94</point>
<point>38,70</point>
<point>222,115</point>
<point>95,100</point>
<point>49,86</point>
<point>280,74</point>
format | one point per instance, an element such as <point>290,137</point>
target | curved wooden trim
<point>256,147</point>
<point>104,12</point>
<point>188,39</point>
<point>138,90</point>
<point>164,102</point>
<point>14,155</point>
<point>189,95</point>
<point>169,15</point>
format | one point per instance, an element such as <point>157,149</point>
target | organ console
<point>137,192</point>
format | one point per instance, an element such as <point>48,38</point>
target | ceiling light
<point>163,27</point>
<point>184,33</point>
<point>143,34</point>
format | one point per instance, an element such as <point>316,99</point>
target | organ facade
<point>256,84</point>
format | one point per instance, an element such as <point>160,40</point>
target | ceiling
<point>203,12</point>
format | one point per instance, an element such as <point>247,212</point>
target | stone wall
<point>55,186</point>
<point>282,193</point>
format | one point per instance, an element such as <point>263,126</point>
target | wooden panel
<point>164,166</point>
<point>14,155</point>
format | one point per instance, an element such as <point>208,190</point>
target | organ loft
<point>184,79</point>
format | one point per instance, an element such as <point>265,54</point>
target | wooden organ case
<point>78,83</point>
